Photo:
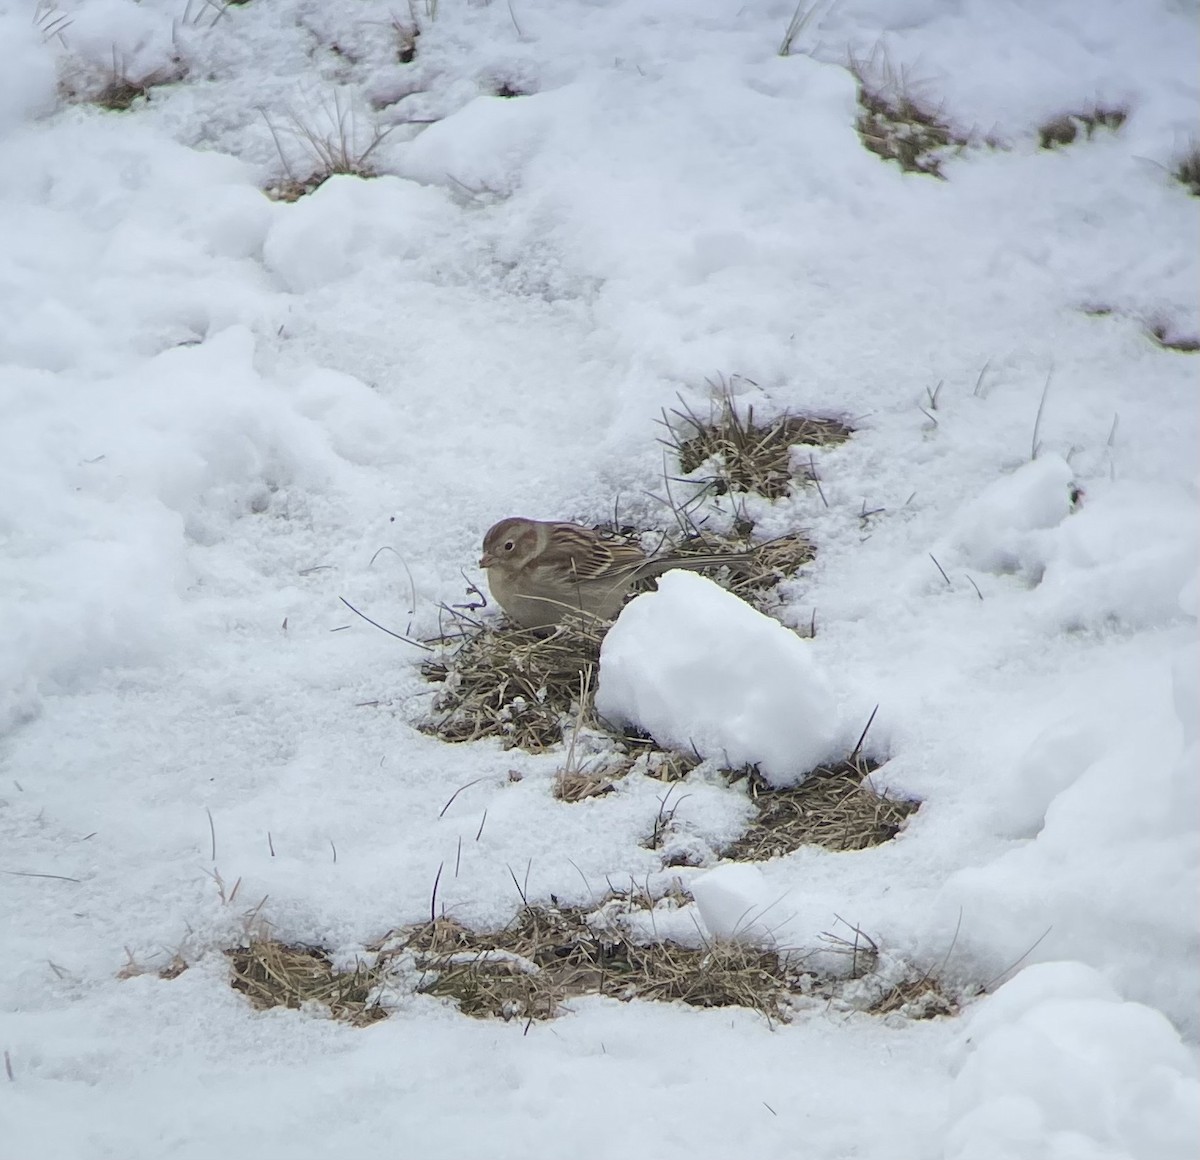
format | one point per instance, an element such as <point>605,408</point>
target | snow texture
<point>222,412</point>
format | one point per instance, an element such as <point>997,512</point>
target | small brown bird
<point>540,572</point>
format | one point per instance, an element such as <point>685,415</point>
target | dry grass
<point>172,969</point>
<point>271,973</point>
<point>898,125</point>
<point>519,685</point>
<point>577,785</point>
<point>801,17</point>
<point>407,35</point>
<point>1187,171</point>
<point>1163,336</point>
<point>1161,333</point>
<point>548,955</point>
<point>917,997</point>
<point>581,778</point>
<point>50,21</point>
<point>117,89</point>
<point>586,777</point>
<point>332,140</point>
<point>746,456</point>
<point>879,987</point>
<point>836,807</point>
<point>1066,128</point>
<point>769,563</point>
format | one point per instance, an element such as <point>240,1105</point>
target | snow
<point>222,413</point>
<point>1057,1065</point>
<point>729,899</point>
<point>701,670</point>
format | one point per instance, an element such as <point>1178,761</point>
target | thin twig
<point>1013,966</point>
<point>412,587</point>
<point>863,735</point>
<point>1037,422</point>
<point>812,467</point>
<point>398,636</point>
<point>212,834</point>
<point>433,897</point>
<point>524,898</point>
<point>940,569</point>
<point>442,811</point>
<point>32,874</point>
<point>513,17</point>
<point>950,949</point>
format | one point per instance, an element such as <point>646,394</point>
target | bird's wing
<point>577,554</point>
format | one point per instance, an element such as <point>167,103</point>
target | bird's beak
<point>486,560</point>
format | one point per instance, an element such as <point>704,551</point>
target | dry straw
<point>271,973</point>
<point>897,125</point>
<point>742,453</point>
<point>836,807</point>
<point>548,955</point>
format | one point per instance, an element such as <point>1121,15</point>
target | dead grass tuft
<point>577,785</point>
<point>1168,339</point>
<point>835,806</point>
<point>769,563</point>
<point>548,955</point>
<point>1187,171</point>
<point>917,997</point>
<point>50,21</point>
<point>271,973</point>
<point>331,141</point>
<point>1065,129</point>
<point>407,35</point>
<point>898,125</point>
<point>746,456</point>
<point>172,969</point>
<point>801,17</point>
<point>519,685</point>
<point>117,89</point>
<point>881,985</point>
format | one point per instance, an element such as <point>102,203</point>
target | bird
<point>541,571</point>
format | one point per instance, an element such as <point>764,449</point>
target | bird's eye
<point>509,546</point>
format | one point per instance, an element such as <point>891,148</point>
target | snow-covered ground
<point>218,408</point>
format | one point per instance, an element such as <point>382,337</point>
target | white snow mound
<point>1004,528</point>
<point>734,901</point>
<point>698,668</point>
<point>1057,1065</point>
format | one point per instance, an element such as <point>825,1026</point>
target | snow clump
<point>699,669</point>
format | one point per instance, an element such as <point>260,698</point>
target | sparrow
<point>541,571</point>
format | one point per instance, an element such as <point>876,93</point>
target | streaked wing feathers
<point>577,554</point>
